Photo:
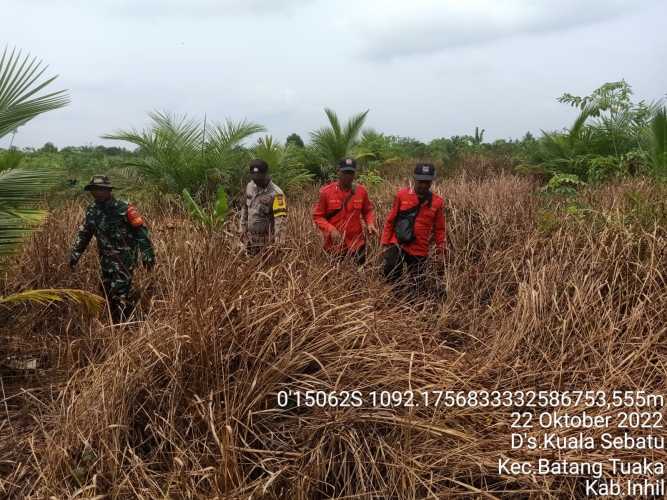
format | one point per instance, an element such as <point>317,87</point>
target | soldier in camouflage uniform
<point>264,212</point>
<point>121,234</point>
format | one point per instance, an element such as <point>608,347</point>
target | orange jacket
<point>348,220</point>
<point>429,221</point>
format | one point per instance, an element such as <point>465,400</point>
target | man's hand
<point>372,229</point>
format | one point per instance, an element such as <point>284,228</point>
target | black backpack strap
<point>417,207</point>
<point>409,211</point>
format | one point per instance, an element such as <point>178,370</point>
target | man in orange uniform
<point>416,218</point>
<point>339,212</point>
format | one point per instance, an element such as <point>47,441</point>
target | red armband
<point>133,217</point>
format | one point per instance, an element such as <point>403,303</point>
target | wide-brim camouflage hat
<point>98,182</point>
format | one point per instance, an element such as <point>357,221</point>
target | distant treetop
<point>294,139</point>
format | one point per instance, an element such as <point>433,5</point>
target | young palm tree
<point>286,163</point>
<point>375,147</point>
<point>478,138</point>
<point>177,153</point>
<point>21,189</point>
<point>609,127</point>
<point>336,142</point>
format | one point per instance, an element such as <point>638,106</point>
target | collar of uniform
<point>420,199</point>
<point>343,190</point>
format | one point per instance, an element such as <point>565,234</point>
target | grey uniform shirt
<point>264,213</point>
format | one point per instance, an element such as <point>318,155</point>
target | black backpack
<point>404,224</point>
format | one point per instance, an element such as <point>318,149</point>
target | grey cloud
<point>401,31</point>
<point>302,57</point>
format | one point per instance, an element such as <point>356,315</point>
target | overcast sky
<point>424,68</point>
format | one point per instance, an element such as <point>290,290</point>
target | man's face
<point>260,178</point>
<point>422,187</point>
<point>346,178</point>
<point>100,195</point>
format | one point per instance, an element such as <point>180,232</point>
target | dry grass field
<point>182,402</point>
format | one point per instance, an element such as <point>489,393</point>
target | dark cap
<point>98,182</point>
<point>258,166</point>
<point>347,165</point>
<point>424,172</point>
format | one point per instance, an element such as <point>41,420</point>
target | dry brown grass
<point>182,402</point>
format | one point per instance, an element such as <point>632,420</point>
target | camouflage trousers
<point>117,287</point>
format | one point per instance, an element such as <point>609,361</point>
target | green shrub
<point>209,218</point>
<point>10,159</point>
<point>563,185</point>
<point>370,177</point>
<point>636,162</point>
<point>604,168</point>
<point>547,221</point>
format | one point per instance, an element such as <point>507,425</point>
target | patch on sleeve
<point>133,217</point>
<point>279,205</point>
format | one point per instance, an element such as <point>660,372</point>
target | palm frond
<point>20,186</point>
<point>268,150</point>
<point>555,145</point>
<point>365,155</point>
<point>91,302</point>
<point>167,131</point>
<point>334,142</point>
<point>353,128</point>
<point>231,134</point>
<point>178,130</point>
<point>194,209</point>
<point>19,83</point>
<point>286,163</point>
<point>175,155</point>
<point>333,121</point>
<point>578,125</point>
<point>16,226</point>
<point>142,139</point>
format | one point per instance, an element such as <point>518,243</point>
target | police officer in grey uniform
<point>264,212</point>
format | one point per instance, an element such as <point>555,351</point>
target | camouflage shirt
<point>120,232</point>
